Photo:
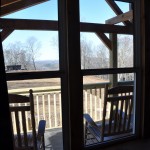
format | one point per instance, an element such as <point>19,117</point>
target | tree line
<point>24,54</point>
<point>92,57</point>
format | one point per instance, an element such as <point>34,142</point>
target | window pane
<point>47,106</point>
<point>119,112</point>
<point>125,51</point>
<point>35,50</point>
<point>39,11</point>
<point>101,11</point>
<point>95,54</point>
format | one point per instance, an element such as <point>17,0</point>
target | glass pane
<point>125,51</point>
<point>95,54</point>
<point>32,10</point>
<point>31,50</point>
<point>99,11</point>
<point>95,108</point>
<point>47,106</point>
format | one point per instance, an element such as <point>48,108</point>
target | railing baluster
<point>85,96</point>
<point>60,113</point>
<point>20,118</point>
<point>99,99</point>
<point>95,109</point>
<point>55,113</point>
<point>49,110</point>
<point>37,103</point>
<point>13,119</point>
<point>93,95</point>
<point>43,101</point>
<point>27,121</point>
<point>91,113</point>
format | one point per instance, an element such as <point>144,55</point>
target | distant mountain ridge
<point>47,64</point>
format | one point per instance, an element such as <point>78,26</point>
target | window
<point>73,57</point>
<point>107,58</point>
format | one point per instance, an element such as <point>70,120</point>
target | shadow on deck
<point>53,139</point>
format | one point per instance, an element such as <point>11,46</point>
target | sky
<point>93,11</point>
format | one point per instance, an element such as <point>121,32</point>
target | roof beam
<point>8,2</point>
<point>19,5</point>
<point>104,39</point>
<point>117,10</point>
<point>120,18</point>
<point>5,33</point>
<point>126,1</point>
<point>25,24</point>
<point>106,28</point>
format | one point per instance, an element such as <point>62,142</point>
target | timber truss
<point>7,26</point>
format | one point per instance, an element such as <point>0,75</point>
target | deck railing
<point>47,103</point>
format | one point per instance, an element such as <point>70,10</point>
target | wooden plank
<point>111,117</point>
<point>120,116</point>
<point>24,128</point>
<point>25,24</point>
<point>55,111</point>
<point>126,1</point>
<point>5,118</point>
<point>8,2</point>
<point>18,128</point>
<point>113,55</point>
<point>105,28</point>
<point>19,6</point>
<point>20,108</point>
<point>108,71</point>
<point>117,10</point>
<point>33,75</point>
<point>49,110</point>
<point>75,83</point>
<point>104,39</point>
<point>18,99</point>
<point>145,38</point>
<point>125,115</point>
<point>120,18</point>
<point>5,33</point>
<point>63,59</point>
<point>116,117</point>
<point>130,113</point>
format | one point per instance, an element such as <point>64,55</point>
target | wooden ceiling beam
<point>106,28</point>
<point>25,24</point>
<point>8,2</point>
<point>120,18</point>
<point>117,10</point>
<point>5,33</point>
<point>19,5</point>
<point>104,39</point>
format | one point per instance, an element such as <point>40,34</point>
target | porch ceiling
<point>10,6</point>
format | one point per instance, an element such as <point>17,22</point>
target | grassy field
<point>49,82</point>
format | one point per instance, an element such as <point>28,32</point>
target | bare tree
<point>15,54</point>
<point>32,46</point>
<point>125,51</point>
<point>102,57</point>
<point>125,55</point>
<point>86,54</point>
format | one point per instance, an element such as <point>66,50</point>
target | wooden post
<point>5,117</point>
<point>113,58</point>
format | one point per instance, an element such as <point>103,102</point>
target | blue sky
<point>96,11</point>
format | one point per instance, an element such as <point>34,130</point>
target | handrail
<point>48,102</point>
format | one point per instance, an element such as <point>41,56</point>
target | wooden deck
<point>53,139</point>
